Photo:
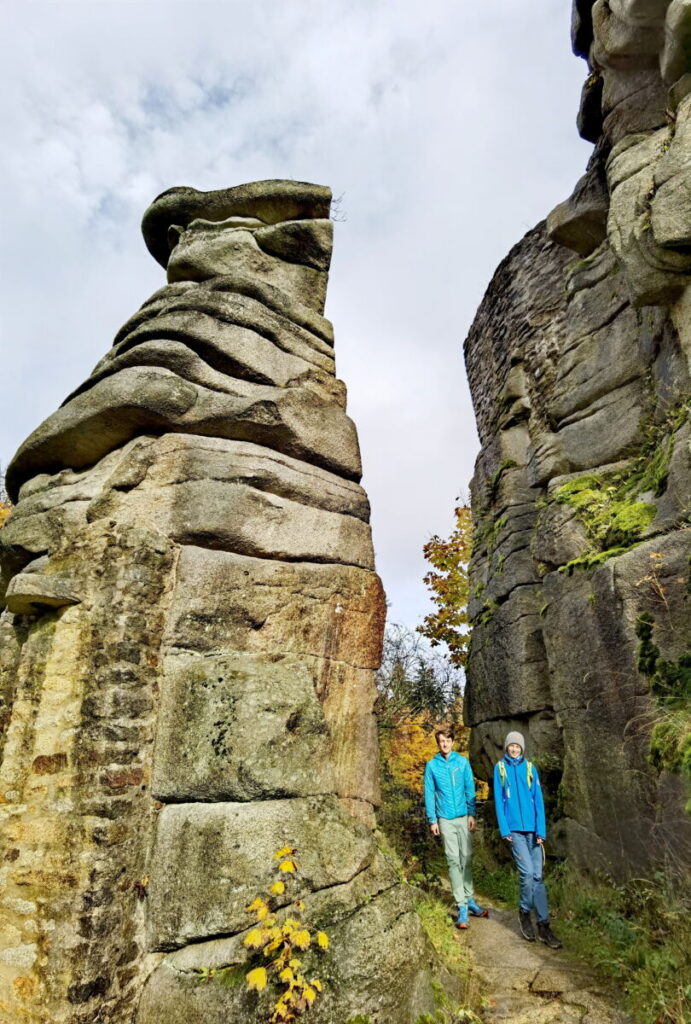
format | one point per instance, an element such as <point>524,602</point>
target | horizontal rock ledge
<point>143,399</point>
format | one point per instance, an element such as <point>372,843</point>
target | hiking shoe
<point>476,910</point>
<point>462,919</point>
<point>546,935</point>
<point>526,924</point>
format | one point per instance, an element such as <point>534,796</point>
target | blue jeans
<point>527,854</point>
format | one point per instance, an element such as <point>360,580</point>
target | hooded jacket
<point>449,787</point>
<point>519,807</point>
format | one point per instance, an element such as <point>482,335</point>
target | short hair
<point>444,730</point>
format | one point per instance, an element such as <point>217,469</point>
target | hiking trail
<point>527,982</point>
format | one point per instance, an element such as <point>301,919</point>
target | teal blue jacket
<point>519,806</point>
<point>449,787</point>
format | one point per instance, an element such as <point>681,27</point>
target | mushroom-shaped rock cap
<point>271,201</point>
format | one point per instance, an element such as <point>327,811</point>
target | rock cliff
<point>191,628</point>
<point>579,361</point>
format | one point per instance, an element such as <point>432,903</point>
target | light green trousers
<point>458,851</point>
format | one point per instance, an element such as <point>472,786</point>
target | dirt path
<point>528,983</point>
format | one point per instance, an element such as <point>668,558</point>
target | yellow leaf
<point>302,939</point>
<point>262,912</point>
<point>257,978</point>
<point>255,938</point>
<point>322,940</point>
<point>255,905</point>
<point>283,852</point>
<point>278,888</point>
<point>294,963</point>
<point>286,975</point>
<point>309,994</point>
<point>316,983</point>
<point>287,865</point>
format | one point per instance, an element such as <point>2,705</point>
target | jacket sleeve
<point>539,807</point>
<point>469,788</point>
<point>430,807</point>
<point>504,829</point>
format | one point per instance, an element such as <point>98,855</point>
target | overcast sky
<point>448,125</point>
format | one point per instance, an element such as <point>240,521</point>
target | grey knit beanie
<point>515,737</point>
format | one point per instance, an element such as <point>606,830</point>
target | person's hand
<point>539,841</point>
<point>471,823</point>
<point>434,829</point>
<point>508,839</point>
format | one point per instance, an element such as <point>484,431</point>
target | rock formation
<point>579,362</point>
<point>192,623</point>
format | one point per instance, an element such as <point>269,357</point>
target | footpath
<point>527,983</point>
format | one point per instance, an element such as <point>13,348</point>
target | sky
<point>448,128</point>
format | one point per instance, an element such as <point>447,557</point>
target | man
<point>521,819</point>
<point>450,807</point>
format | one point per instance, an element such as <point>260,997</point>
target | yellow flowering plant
<point>279,946</point>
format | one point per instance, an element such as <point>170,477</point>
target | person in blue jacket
<point>521,818</point>
<point>450,806</point>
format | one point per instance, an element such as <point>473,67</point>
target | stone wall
<point>579,364</point>
<point>192,624</point>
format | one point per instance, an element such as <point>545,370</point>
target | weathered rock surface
<point>187,653</point>
<point>579,371</point>
<point>530,984</point>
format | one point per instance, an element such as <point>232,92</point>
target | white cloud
<point>450,128</point>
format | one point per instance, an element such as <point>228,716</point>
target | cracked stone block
<point>233,844</point>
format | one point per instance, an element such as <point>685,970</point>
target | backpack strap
<point>530,768</point>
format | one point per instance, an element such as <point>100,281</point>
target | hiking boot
<point>462,919</point>
<point>526,924</point>
<point>546,935</point>
<point>476,910</point>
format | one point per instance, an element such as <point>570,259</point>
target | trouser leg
<point>456,850</point>
<point>524,862</point>
<point>539,890</point>
<point>465,846</point>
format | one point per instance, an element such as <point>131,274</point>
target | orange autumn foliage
<point>410,744</point>
<point>449,586</point>
<point>407,748</point>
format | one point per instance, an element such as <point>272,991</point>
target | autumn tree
<point>448,582</point>
<point>418,688</point>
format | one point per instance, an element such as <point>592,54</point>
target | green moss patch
<point>609,504</point>
<point>605,508</point>
<point>591,560</point>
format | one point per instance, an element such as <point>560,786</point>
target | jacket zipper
<point>518,794</point>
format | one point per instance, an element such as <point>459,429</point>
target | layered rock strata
<point>579,363</point>
<point>191,628</point>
